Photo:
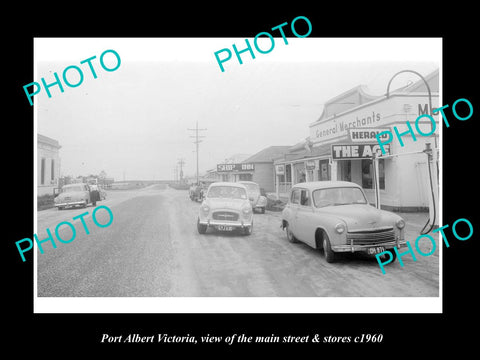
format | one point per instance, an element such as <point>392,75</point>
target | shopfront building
<point>48,165</point>
<point>343,140</point>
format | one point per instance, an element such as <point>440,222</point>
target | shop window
<point>345,170</point>
<point>367,173</point>
<point>42,172</point>
<point>288,173</point>
<point>323,170</point>
<point>245,177</point>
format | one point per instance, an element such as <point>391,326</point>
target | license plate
<point>375,250</point>
<point>224,228</point>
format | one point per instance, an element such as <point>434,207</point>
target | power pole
<point>197,141</point>
<point>181,162</point>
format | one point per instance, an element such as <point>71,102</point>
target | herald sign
<point>357,151</point>
<point>367,135</point>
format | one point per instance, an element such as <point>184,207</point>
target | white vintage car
<point>335,216</point>
<point>226,207</point>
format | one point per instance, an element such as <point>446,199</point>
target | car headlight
<point>205,208</point>
<point>400,224</point>
<point>340,228</point>
<point>246,210</point>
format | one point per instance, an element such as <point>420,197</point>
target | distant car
<point>258,201</point>
<point>335,216</point>
<point>226,208</point>
<point>73,195</point>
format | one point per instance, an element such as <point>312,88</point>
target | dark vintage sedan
<point>73,195</point>
<point>258,201</point>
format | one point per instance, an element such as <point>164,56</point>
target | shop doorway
<point>345,170</point>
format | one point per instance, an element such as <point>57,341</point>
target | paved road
<point>152,248</point>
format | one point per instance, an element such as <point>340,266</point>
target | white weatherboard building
<point>342,140</point>
<point>48,164</point>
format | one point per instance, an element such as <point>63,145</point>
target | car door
<point>304,219</point>
<point>293,208</point>
<point>88,193</point>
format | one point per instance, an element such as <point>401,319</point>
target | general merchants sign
<point>357,151</point>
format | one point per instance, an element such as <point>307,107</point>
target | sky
<point>133,122</point>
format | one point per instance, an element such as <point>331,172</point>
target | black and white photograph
<point>222,179</point>
<point>161,176</point>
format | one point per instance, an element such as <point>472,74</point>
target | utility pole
<point>181,162</point>
<point>197,141</point>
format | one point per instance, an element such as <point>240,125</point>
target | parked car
<point>335,216</point>
<point>226,208</point>
<point>73,195</point>
<point>257,200</point>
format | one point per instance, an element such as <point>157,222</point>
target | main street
<point>152,248</point>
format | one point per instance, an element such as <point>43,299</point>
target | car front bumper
<point>242,224</point>
<point>70,203</point>
<point>354,248</point>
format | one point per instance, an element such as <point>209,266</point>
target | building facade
<point>257,168</point>
<point>342,142</point>
<point>48,164</point>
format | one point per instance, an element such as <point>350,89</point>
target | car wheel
<point>327,249</point>
<point>386,257</point>
<point>290,235</point>
<point>202,228</point>
<point>263,210</point>
<point>60,208</point>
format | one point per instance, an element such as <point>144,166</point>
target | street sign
<point>235,167</point>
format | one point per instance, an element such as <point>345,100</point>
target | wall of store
<point>263,176</point>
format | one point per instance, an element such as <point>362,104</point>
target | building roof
<point>304,153</point>
<point>46,140</point>
<point>346,100</point>
<point>268,154</point>
<point>359,95</point>
<point>432,80</point>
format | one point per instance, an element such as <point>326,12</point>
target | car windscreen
<point>338,196</point>
<point>227,192</point>
<point>72,188</point>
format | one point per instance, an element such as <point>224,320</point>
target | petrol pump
<point>432,166</point>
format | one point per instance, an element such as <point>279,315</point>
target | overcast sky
<point>134,120</point>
